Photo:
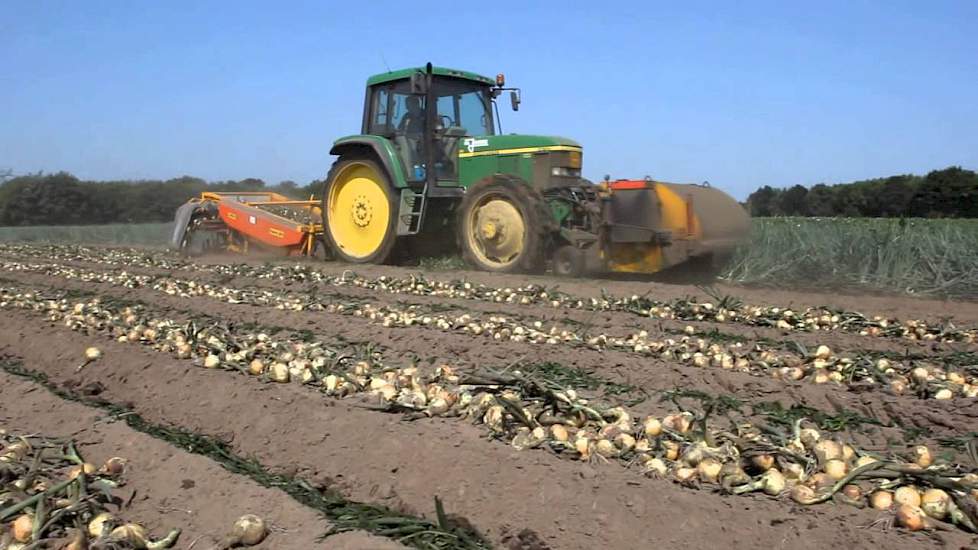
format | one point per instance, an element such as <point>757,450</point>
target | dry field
<point>388,408</point>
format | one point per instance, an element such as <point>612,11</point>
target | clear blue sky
<point>738,93</point>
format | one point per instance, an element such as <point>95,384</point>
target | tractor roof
<point>441,71</point>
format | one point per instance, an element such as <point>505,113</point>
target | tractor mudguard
<point>381,147</point>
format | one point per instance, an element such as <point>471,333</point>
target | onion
<point>853,492</point>
<point>132,533</point>
<point>22,528</point>
<point>943,394</point>
<point>559,432</point>
<point>77,542</point>
<point>685,475</point>
<point>212,361</point>
<point>655,466</point>
<point>922,456</point>
<point>821,480</point>
<point>279,372</point>
<point>823,352</point>
<point>709,469</point>
<point>911,517</point>
<point>802,494</point>
<point>881,500</point>
<point>848,453</point>
<point>826,450</point>
<point>93,353</point>
<point>114,466</point>
<point>678,422</point>
<point>694,453</point>
<point>606,448</point>
<point>836,469</point>
<point>907,494</point>
<point>652,427</point>
<point>934,503</point>
<point>248,530</point>
<point>671,449</point>
<point>809,437</point>
<point>101,524</point>
<point>762,462</point>
<point>494,418</point>
<point>864,460</point>
<point>257,366</point>
<point>583,446</point>
<point>86,467</point>
<point>793,470</point>
<point>625,442</point>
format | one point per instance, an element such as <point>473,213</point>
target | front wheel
<point>503,226</point>
<point>359,212</point>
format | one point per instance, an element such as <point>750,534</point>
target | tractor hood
<point>514,144</point>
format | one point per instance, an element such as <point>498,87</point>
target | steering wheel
<point>446,121</point>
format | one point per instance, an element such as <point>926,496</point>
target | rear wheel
<point>359,211</point>
<point>503,225</point>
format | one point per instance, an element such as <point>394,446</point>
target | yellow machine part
<point>358,210</point>
<point>701,220</point>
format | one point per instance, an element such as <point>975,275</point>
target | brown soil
<point>528,499</point>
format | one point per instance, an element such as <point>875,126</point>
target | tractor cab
<point>427,115</point>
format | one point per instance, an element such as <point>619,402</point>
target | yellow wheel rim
<point>358,211</point>
<point>495,231</point>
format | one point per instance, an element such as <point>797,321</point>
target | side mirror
<point>514,100</point>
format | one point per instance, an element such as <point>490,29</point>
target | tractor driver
<point>413,121</point>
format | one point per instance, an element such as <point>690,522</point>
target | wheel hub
<point>362,212</point>
<point>498,230</point>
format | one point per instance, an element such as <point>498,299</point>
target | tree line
<point>948,193</point>
<point>63,199</point>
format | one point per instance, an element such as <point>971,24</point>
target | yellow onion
<point>864,460</point>
<point>78,541</point>
<point>911,517</point>
<point>836,469</point>
<point>685,475</point>
<point>709,469</point>
<point>655,466</point>
<point>86,467</point>
<point>853,492</point>
<point>248,530</point>
<point>22,528</point>
<point>279,372</point>
<point>625,442</point>
<point>131,533</point>
<point>907,494</point>
<point>680,423</point>
<point>93,353</point>
<point>671,449</point>
<point>257,367</point>
<point>652,427</point>
<point>114,466</point>
<point>881,500</point>
<point>922,456</point>
<point>494,418</point>
<point>848,453</point>
<point>802,494</point>
<point>943,394</point>
<point>212,361</point>
<point>101,524</point>
<point>809,437</point>
<point>793,470</point>
<point>606,448</point>
<point>826,450</point>
<point>583,446</point>
<point>823,352</point>
<point>821,480</point>
<point>559,432</point>
<point>762,462</point>
<point>934,503</point>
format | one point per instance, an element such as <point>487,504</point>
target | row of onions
<point>53,498</point>
<point>810,468</point>
<point>928,379</point>
<point>687,309</point>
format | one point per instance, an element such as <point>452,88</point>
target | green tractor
<point>430,165</point>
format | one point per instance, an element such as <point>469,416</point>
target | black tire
<point>537,220</point>
<point>383,253</point>
<point>568,261</point>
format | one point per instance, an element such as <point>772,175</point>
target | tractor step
<point>411,212</point>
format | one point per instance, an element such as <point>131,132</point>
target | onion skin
<point>22,528</point>
<point>762,462</point>
<point>907,495</point>
<point>934,503</point>
<point>911,517</point>
<point>881,500</point>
